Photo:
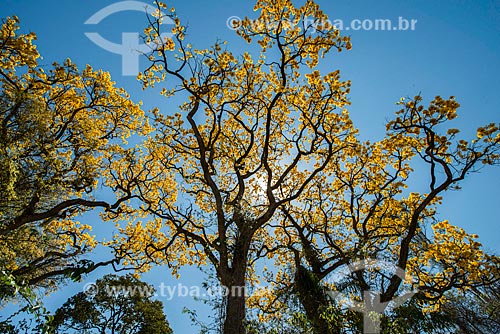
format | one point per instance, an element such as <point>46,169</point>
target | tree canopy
<point>261,164</point>
<point>113,304</point>
<point>61,131</point>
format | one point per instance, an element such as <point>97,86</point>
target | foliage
<point>115,304</point>
<point>263,161</point>
<point>61,130</point>
<point>363,210</point>
<point>476,311</point>
<point>40,317</point>
<point>253,135</point>
<point>260,163</point>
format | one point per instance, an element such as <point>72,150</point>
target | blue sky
<point>454,50</point>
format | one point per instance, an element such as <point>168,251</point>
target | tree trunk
<point>314,301</point>
<point>234,281</point>
<point>235,308</point>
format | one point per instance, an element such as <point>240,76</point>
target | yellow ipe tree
<point>254,133</point>
<point>263,149</point>
<point>363,210</point>
<point>61,130</point>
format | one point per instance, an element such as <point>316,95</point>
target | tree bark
<point>234,322</point>
<point>314,301</point>
<point>235,283</point>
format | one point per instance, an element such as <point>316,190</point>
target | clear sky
<point>454,50</point>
